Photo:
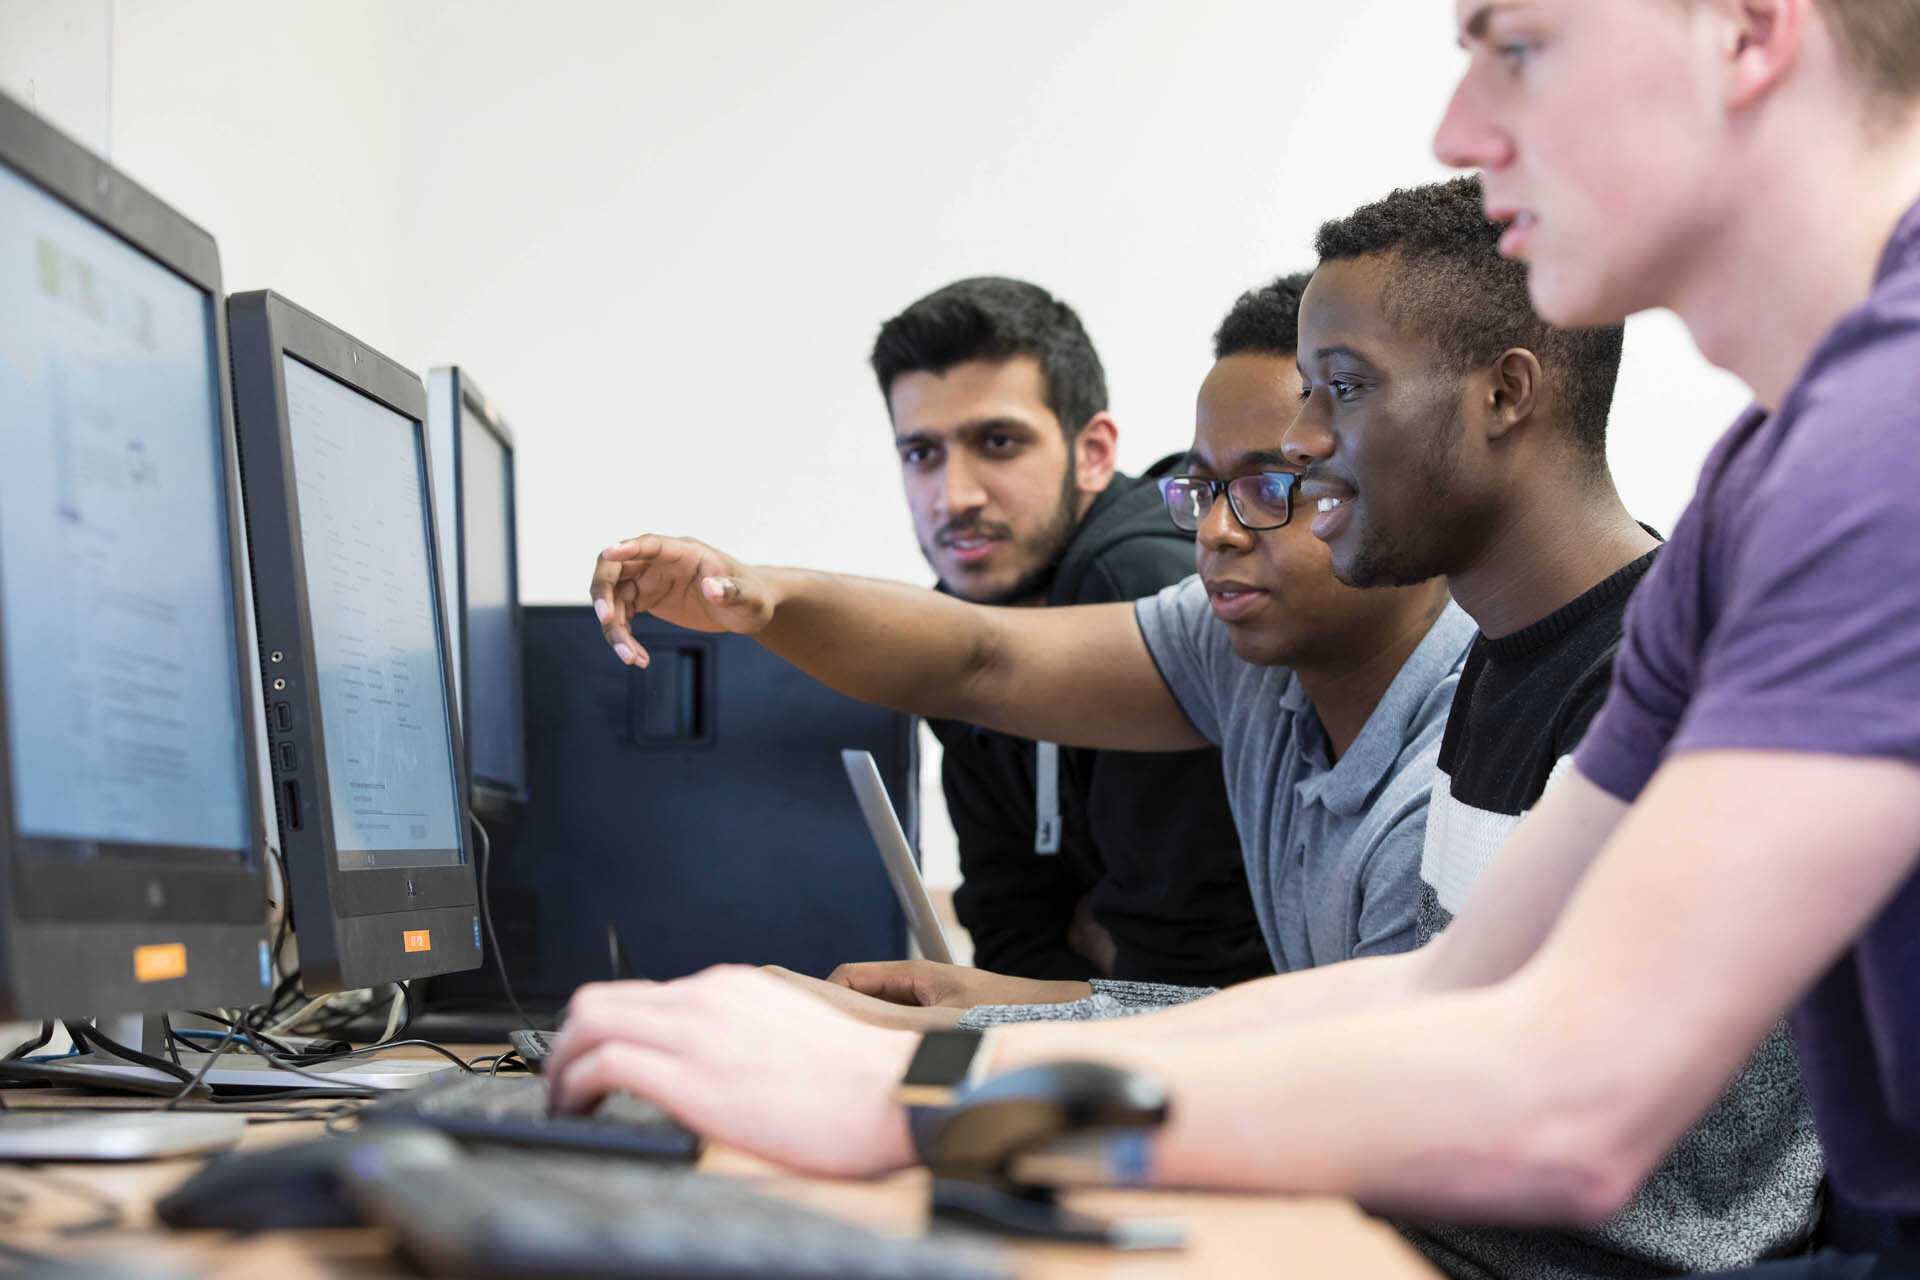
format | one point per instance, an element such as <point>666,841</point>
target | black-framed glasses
<point>1261,501</point>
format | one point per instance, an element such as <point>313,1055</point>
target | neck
<point>1344,695</point>
<point>1799,253</point>
<point>1547,555</point>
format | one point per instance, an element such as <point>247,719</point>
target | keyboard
<point>513,1109</point>
<point>509,1213</point>
<point>532,1046</point>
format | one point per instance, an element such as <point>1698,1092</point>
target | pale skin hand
<point>929,983</point>
<point>743,1058</point>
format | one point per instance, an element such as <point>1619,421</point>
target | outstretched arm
<point>1079,675</point>
<point>1545,1095</point>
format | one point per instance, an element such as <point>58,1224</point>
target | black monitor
<point>131,843</point>
<point>361,722</point>
<point>472,452</point>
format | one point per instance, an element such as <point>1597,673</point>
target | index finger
<point>614,565</point>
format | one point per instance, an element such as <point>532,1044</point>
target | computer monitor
<point>472,451</point>
<point>131,842</point>
<point>361,725</point>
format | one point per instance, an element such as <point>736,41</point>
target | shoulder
<point>1124,549</point>
<point>1853,411</point>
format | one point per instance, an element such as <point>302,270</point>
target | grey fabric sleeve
<point>1184,643</point>
<point>1109,1000</point>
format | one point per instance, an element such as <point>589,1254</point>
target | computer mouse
<point>292,1186</point>
<point>996,1121</point>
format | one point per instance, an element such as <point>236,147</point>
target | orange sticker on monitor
<point>160,961</point>
<point>418,940</point>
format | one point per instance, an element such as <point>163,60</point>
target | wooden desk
<point>1304,1238</point>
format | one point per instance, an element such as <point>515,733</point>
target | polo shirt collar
<point>1373,755</point>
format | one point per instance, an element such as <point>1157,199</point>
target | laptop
<point>877,808</point>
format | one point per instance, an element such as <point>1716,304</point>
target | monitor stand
<point>239,1069</point>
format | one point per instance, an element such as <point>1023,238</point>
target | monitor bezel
<point>269,328</point>
<point>489,795</point>
<point>136,894</point>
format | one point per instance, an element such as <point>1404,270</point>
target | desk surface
<point>46,1209</point>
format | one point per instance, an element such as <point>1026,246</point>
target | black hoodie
<point>1146,834</point>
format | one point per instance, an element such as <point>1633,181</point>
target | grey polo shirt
<point>1332,847</point>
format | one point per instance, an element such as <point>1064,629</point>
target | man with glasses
<point>1075,863</point>
<point>1327,701</point>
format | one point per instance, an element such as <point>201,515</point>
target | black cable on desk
<point>201,1075</point>
<point>26,1047</point>
<point>96,1038</point>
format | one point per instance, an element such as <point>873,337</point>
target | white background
<point>662,235</point>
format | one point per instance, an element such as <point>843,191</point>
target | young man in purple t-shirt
<point>1740,836</point>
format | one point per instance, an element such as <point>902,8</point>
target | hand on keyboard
<point>745,1059</point>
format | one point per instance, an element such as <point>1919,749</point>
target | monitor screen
<point>116,594</point>
<point>493,654</point>
<point>361,485</point>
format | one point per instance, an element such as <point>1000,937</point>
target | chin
<point>1258,648</point>
<point>1570,301</point>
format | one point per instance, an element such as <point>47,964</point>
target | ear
<point>1515,385</point>
<point>1759,41</point>
<point>1094,452</point>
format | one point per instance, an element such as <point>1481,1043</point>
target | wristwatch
<point>945,1064</point>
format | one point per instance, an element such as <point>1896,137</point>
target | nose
<point>960,488</point>
<point>1219,530</point>
<point>1467,137</point>
<point>1308,440</point>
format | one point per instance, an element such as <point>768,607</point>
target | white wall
<point>662,234</point>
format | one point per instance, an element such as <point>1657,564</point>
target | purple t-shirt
<point>1785,614</point>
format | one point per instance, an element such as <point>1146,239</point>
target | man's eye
<point>1516,57</point>
<point>1343,388</point>
<point>1306,392</point>
<point>998,443</point>
<point>915,455</point>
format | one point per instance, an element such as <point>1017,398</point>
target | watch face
<point>942,1058</point>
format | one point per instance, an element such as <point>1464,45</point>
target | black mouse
<point>997,1120</point>
<point>293,1186</point>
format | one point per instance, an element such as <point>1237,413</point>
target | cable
<point>486,917</point>
<point>26,1047</point>
<point>240,1025</point>
<point>393,1014</point>
<point>96,1038</point>
<point>450,1056</point>
<point>285,1065</point>
<point>200,1076</point>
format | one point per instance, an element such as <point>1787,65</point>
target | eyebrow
<point>1475,27</point>
<point>1340,350</point>
<point>971,427</point>
<point>1256,459</point>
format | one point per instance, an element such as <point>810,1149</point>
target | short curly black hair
<point>1265,321</point>
<point>997,318</point>
<point>1452,286</point>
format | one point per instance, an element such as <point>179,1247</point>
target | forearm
<point>888,643</point>
<point>1334,990</point>
<point>1475,1125</point>
<point>1078,675</point>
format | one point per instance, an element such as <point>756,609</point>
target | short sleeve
<point>1386,916</point>
<point>1186,646</point>
<point>1816,646</point>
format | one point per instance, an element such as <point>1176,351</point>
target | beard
<point>1045,547</point>
<point>1387,557</point>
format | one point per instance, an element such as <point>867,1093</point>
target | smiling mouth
<point>1329,503</point>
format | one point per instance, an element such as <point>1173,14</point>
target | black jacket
<point>1148,835</point>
